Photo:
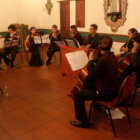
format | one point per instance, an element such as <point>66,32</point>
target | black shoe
<point>80,124</point>
<point>48,63</point>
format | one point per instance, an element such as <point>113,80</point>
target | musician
<point>93,38</point>
<point>102,77</point>
<point>12,35</point>
<point>129,45</point>
<point>54,36</point>
<point>35,59</point>
<point>136,55</point>
<point>76,35</point>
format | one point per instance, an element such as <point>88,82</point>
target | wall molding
<point>116,37</point>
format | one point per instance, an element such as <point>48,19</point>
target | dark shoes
<point>80,124</point>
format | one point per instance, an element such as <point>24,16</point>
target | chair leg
<point>127,112</point>
<point>90,111</point>
<point>21,59</point>
<point>1,90</point>
<point>113,128</point>
<point>133,97</point>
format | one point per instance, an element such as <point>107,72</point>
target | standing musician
<point>93,38</point>
<point>103,81</point>
<point>35,59</point>
<point>54,36</point>
<point>129,45</point>
<point>12,35</point>
<point>76,35</point>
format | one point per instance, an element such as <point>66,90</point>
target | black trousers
<point>11,51</point>
<point>1,55</point>
<point>51,50</point>
<point>79,102</point>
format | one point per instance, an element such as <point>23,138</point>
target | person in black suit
<point>54,36</point>
<point>76,35</point>
<point>12,35</point>
<point>93,39</point>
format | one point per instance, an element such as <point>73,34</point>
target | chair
<point>134,95</point>
<point>125,92</point>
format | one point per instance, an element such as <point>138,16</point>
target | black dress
<point>35,59</point>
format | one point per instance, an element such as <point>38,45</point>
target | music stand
<point>72,43</point>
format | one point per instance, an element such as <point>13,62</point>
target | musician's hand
<point>125,49</point>
<point>135,48</point>
<point>27,49</point>
<point>93,55</point>
<point>88,46</point>
<point>11,39</point>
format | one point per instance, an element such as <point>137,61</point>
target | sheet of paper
<point>58,43</point>
<point>15,43</point>
<point>37,40</point>
<point>70,42</point>
<point>116,114</point>
<point>7,44</point>
<point>77,60</point>
<point>45,39</point>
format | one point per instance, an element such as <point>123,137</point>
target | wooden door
<point>65,18</point>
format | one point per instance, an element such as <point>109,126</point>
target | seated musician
<point>12,35</point>
<point>102,82</point>
<point>54,36</point>
<point>136,56</point>
<point>35,59</point>
<point>129,45</point>
<point>76,35</point>
<point>93,38</point>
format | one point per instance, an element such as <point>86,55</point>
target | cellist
<point>102,76</point>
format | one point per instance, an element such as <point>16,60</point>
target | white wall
<point>33,13</point>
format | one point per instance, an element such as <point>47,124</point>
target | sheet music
<point>7,44</point>
<point>70,43</point>
<point>45,39</point>
<point>77,60</point>
<point>37,40</point>
<point>116,114</point>
<point>15,43</point>
<point>58,43</point>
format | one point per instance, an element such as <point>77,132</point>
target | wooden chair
<point>125,93</point>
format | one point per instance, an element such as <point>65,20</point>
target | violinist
<point>93,39</point>
<point>35,59</point>
<point>136,55</point>
<point>102,81</point>
<point>76,35</point>
<point>54,36</point>
<point>126,48</point>
<point>12,35</point>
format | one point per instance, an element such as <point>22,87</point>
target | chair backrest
<point>126,88</point>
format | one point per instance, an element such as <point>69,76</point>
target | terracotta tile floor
<point>38,108</point>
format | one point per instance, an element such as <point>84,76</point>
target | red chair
<point>124,95</point>
<point>134,95</point>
